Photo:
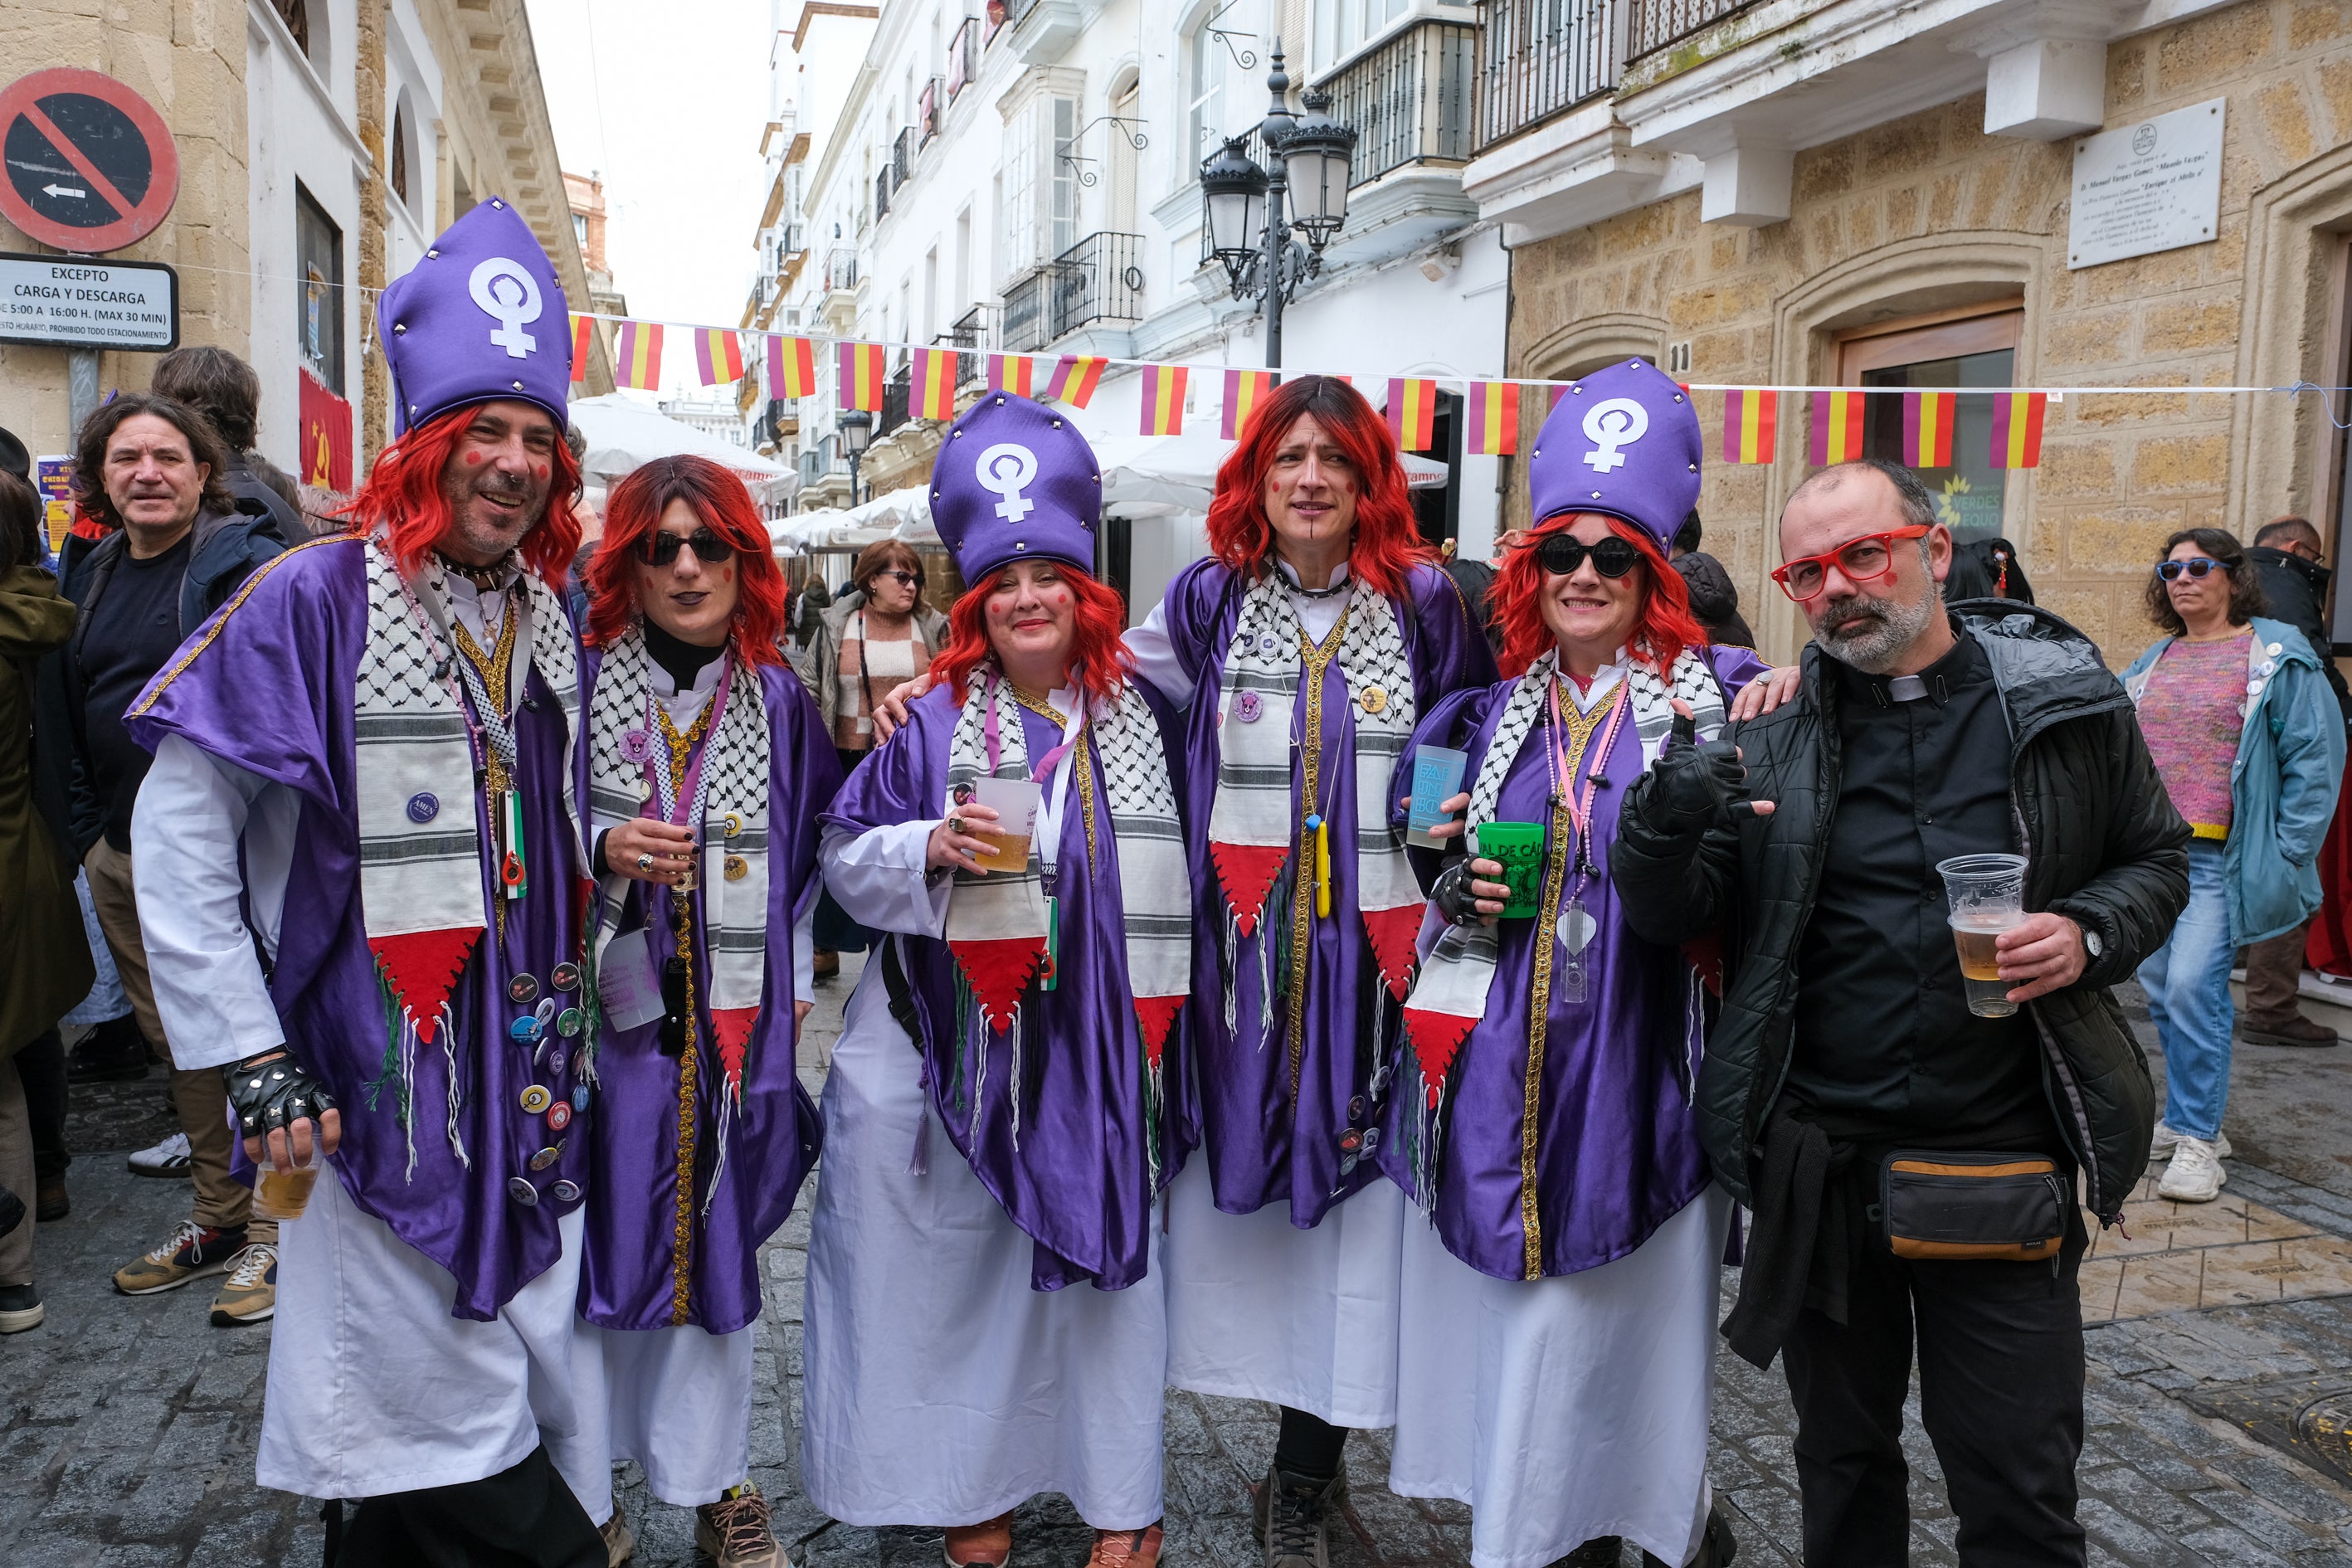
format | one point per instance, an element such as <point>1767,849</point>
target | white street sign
<point>71,301</point>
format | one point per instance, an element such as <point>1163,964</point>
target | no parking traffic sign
<point>89,166</point>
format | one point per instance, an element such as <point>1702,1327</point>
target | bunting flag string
<point>1413,412</point>
<point>1837,428</point>
<point>1245,389</point>
<point>718,356</point>
<point>1751,420</point>
<point>1927,430</point>
<point>2017,429</point>
<point>861,376</point>
<point>636,356</point>
<point>932,393</point>
<point>791,367</point>
<point>1494,418</point>
<point>1163,400</point>
<point>1074,379</point>
<point>583,338</point>
<point>1011,373</point>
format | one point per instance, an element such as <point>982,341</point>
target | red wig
<point>403,491</point>
<point>1387,546</point>
<point>632,513</point>
<point>1098,657</point>
<point>1661,631</point>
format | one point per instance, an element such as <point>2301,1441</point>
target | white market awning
<point>622,434</point>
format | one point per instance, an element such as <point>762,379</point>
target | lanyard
<point>695,786</point>
<point>1563,787</point>
<point>1054,792</point>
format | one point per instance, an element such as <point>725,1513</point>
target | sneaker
<point>1600,1552</point>
<point>2195,1175</point>
<point>169,1158</point>
<point>2296,1030</point>
<point>2167,1139</point>
<point>1291,1515</point>
<point>193,1251</point>
<point>620,1541</point>
<point>734,1531</point>
<point>250,1295</point>
<point>20,1308</point>
<point>1125,1548</point>
<point>1717,1548</point>
<point>51,1203</point>
<point>987,1544</point>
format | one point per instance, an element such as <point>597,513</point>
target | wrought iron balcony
<point>1658,23</point>
<point>902,156</point>
<point>882,193</point>
<point>963,55</point>
<point>898,395</point>
<point>1097,279</point>
<point>841,268</point>
<point>968,336</point>
<point>927,109</point>
<point>1543,58</point>
<point>1411,100</point>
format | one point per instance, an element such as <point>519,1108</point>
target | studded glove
<point>268,1095</point>
<point>1456,904</point>
<point>1693,786</point>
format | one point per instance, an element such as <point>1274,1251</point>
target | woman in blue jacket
<point>2251,747</point>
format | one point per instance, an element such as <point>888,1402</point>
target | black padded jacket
<point>2105,847</point>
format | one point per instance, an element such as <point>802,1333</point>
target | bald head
<point>1879,604</point>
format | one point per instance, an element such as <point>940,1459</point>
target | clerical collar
<point>1337,584</point>
<point>681,661</point>
<point>1937,683</point>
<point>489,579</point>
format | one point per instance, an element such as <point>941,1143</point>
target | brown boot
<point>2294,1029</point>
<point>987,1544</point>
<point>1125,1548</point>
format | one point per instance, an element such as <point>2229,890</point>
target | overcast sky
<point>665,99</point>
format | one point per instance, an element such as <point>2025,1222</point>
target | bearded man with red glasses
<point>1847,1069</point>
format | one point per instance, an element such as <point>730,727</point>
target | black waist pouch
<point>2004,1207</point>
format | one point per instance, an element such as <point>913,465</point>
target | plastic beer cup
<point>1987,897</point>
<point>1015,801</point>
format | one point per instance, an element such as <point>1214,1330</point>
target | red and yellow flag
<point>583,336</point>
<point>791,367</point>
<point>1494,418</point>
<point>1074,379</point>
<point>637,356</point>
<point>1837,428</point>
<point>1014,373</point>
<point>1751,425</point>
<point>930,392</point>
<point>1927,430</point>
<point>1163,400</point>
<point>717,356</point>
<point>2017,428</point>
<point>1412,411</point>
<point>1244,390</point>
<point>862,376</point>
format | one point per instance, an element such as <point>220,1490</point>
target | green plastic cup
<point>1518,847</point>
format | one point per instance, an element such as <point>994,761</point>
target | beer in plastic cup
<point>284,1194</point>
<point>1987,897</point>
<point>1015,801</point>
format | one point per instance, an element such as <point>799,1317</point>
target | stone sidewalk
<point>126,1427</point>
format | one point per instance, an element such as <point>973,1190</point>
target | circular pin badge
<point>520,1191</point>
<point>737,868</point>
<point>526,1031</point>
<point>1375,700</point>
<point>546,1157</point>
<point>644,789</point>
<point>731,825</point>
<point>565,1191</point>
<point>637,746</point>
<point>522,988</point>
<point>1248,706</point>
<point>1347,1165</point>
<point>579,1099</point>
<point>570,1022</point>
<point>1355,1108</point>
<point>1350,1141</point>
<point>555,1059</point>
<point>536,1099</point>
<point>422,806</point>
<point>1268,643</point>
<point>1371,1141</point>
<point>564,977</point>
<point>559,1116</point>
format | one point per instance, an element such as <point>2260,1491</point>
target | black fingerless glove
<point>1456,904</point>
<point>1693,786</point>
<point>268,1095</point>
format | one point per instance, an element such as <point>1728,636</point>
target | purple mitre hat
<point>1622,441</point>
<point>1015,481</point>
<point>482,316</point>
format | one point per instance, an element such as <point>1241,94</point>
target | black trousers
<point>2001,1394</point>
<point>42,1066</point>
<point>523,1517</point>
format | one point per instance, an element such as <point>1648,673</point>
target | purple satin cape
<point>1617,1151</point>
<point>626,1274</point>
<point>267,683</point>
<point>1260,1148</point>
<point>1077,1179</point>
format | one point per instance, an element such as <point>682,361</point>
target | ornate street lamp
<point>856,428</point>
<point>1248,232</point>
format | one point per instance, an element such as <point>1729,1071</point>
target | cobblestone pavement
<point>126,1427</point>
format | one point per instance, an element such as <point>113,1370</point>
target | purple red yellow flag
<point>1927,430</point>
<point>930,394</point>
<point>1751,424</point>
<point>1558,390</point>
<point>1163,400</point>
<point>636,357</point>
<point>1413,412</point>
<point>2017,428</point>
<point>1015,373</point>
<point>1837,428</point>
<point>791,367</point>
<point>583,336</point>
<point>1494,418</point>
<point>717,356</point>
<point>1074,379</point>
<point>861,376</point>
<point>1244,390</point>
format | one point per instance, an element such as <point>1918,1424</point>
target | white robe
<point>1566,1408</point>
<point>940,1388</point>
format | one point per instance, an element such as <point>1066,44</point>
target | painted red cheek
<point>473,459</point>
<point>539,470</point>
<point>726,574</point>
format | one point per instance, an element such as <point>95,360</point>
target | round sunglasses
<point>660,547</point>
<point>1560,554</point>
<point>2195,566</point>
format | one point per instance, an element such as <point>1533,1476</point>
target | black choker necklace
<point>1306,593</point>
<point>489,579</point>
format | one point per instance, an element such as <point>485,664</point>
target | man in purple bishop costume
<point>368,753</point>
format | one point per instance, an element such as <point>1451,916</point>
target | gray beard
<point>1877,651</point>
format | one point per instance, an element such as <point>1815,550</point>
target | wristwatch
<point>2091,943</point>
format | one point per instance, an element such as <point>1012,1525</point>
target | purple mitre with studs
<point>1623,441</point>
<point>1014,481</point>
<point>481,316</point>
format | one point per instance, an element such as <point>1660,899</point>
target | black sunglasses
<point>1562,554</point>
<point>899,576</point>
<point>2196,566</point>
<point>660,547</point>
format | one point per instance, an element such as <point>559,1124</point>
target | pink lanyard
<point>688,789</point>
<point>1044,768</point>
<point>1580,812</point>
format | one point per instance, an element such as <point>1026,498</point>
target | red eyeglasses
<point>1862,560</point>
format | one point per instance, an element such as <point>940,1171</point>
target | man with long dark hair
<point>360,874</point>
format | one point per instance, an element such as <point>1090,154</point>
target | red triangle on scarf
<point>1156,1015</point>
<point>731,1027</point>
<point>998,972</point>
<point>1246,871</point>
<point>1393,932</point>
<point>1436,1040</point>
<point>421,967</point>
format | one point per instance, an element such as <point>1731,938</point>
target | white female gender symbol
<point>1620,421</point>
<point>1007,470</point>
<point>511,307</point>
